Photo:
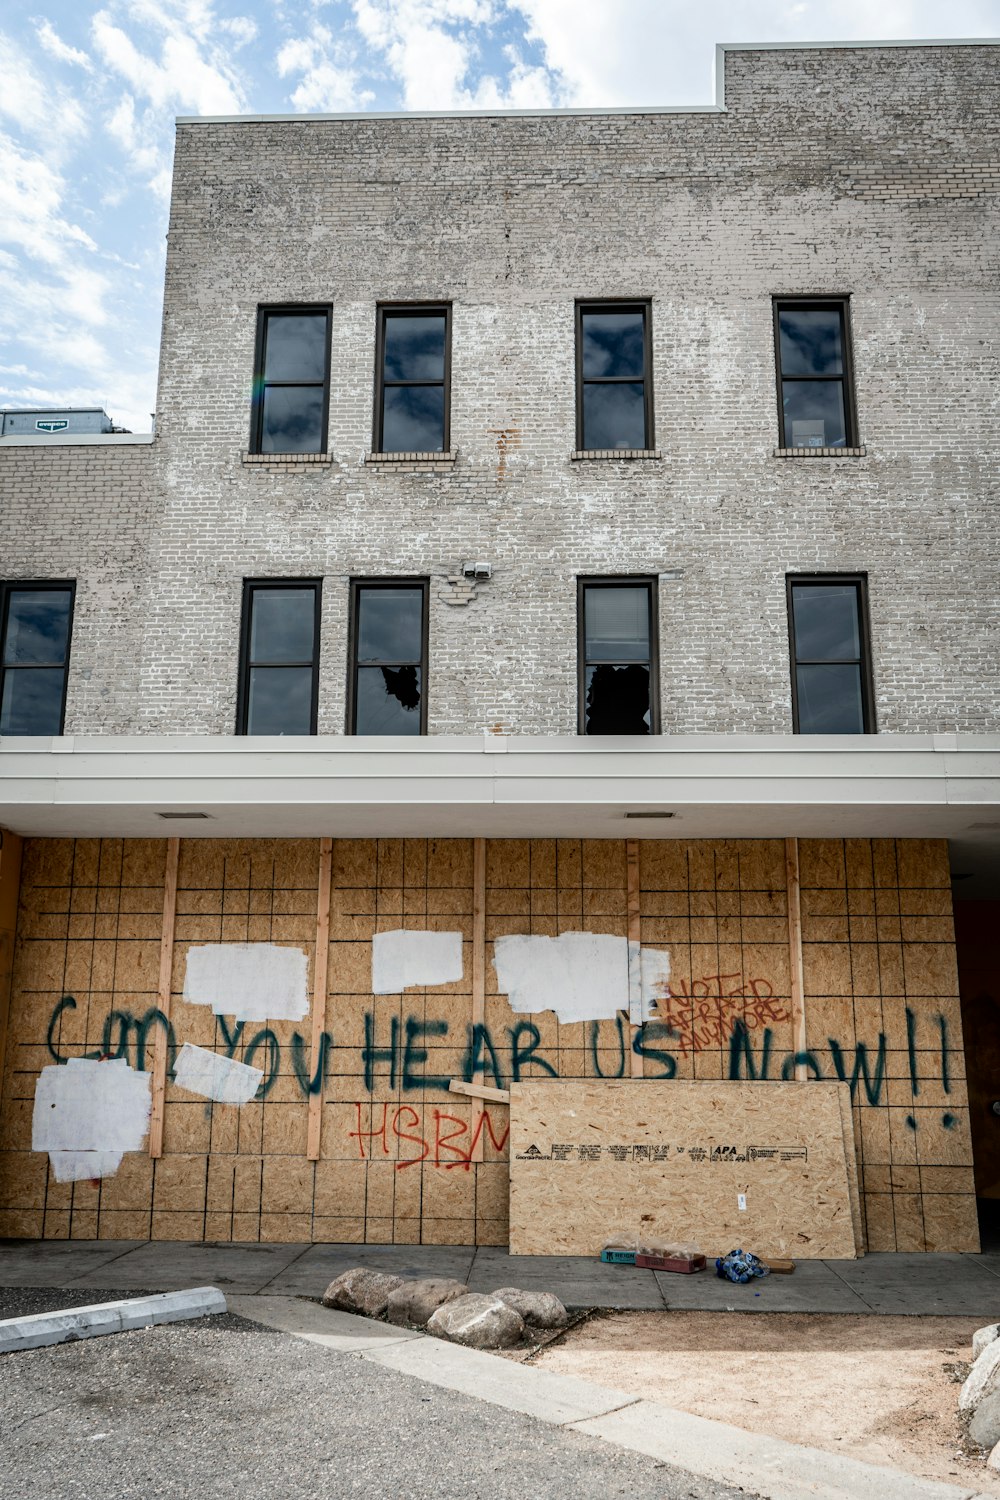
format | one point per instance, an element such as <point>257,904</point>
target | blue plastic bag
<point>740,1265</point>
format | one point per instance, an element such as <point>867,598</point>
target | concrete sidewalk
<point>959,1285</point>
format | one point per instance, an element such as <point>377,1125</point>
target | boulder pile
<point>446,1308</point>
<point>979,1401</point>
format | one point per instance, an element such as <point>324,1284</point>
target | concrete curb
<point>713,1450</point>
<point>108,1317</point>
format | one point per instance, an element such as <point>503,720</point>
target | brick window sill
<point>286,460</point>
<point>604,454</point>
<point>820,453</point>
<point>421,460</point>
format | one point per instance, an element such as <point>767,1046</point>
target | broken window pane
<point>389,664</point>
<point>388,700</point>
<point>617,699</point>
<point>618,658</point>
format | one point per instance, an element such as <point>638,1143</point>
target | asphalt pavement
<point>224,1408</point>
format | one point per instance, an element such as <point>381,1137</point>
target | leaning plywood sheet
<point>594,1160</point>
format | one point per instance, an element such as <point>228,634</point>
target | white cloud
<point>434,49</point>
<point>183,77</point>
<point>329,81</point>
<point>59,49</point>
<point>644,52</point>
<point>30,102</point>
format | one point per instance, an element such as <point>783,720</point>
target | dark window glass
<point>36,624</point>
<point>280,666</point>
<point>831,677</point>
<point>613,386</point>
<point>617,657</point>
<point>390,659</point>
<point>413,379</point>
<point>291,384</point>
<point>816,405</point>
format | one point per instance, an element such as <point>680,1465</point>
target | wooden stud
<point>10,890</point>
<point>163,1001</point>
<point>478,955</point>
<point>321,963</point>
<point>479,1091</point>
<point>634,944</point>
<point>798,995</point>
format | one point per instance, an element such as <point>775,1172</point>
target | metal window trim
<point>859,582</point>
<point>841,302</point>
<point>618,304</point>
<point>264,311</point>
<point>52,585</point>
<point>358,586</point>
<point>617,580</point>
<point>414,310</point>
<point>250,586</point>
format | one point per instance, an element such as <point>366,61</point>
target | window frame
<point>415,310</point>
<point>606,580</point>
<point>842,304</point>
<point>860,583</point>
<point>616,304</point>
<point>250,586</point>
<point>358,585</point>
<point>18,585</point>
<point>304,309</point>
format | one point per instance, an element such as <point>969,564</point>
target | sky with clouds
<point>89,92</point>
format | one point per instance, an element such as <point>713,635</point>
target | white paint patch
<point>582,976</point>
<point>84,1166</point>
<point>249,981</point>
<point>88,1114</point>
<point>216,1077</point>
<point>401,959</point>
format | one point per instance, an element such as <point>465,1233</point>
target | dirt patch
<point>881,1389</point>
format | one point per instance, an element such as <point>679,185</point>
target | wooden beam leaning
<point>321,968</point>
<point>479,1091</point>
<point>160,1046</point>
<point>798,992</point>
<point>634,947</point>
<point>478,954</point>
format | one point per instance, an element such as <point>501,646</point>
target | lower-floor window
<point>617,656</point>
<point>35,624</point>
<point>831,662</point>
<point>279,659</point>
<point>388,657</point>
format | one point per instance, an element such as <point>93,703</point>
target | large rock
<point>361,1291</point>
<point>979,1401</point>
<point>416,1300</point>
<point>538,1309</point>
<point>984,1337</point>
<point>479,1320</point>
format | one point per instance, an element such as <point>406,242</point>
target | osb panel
<point>594,1161</point>
<point>398,1153</point>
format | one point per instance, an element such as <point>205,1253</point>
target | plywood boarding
<point>591,1162</point>
<point>398,1153</point>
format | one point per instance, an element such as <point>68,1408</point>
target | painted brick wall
<point>871,172</point>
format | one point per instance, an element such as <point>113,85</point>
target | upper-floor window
<point>813,354</point>
<point>614,389</point>
<point>279,657</point>
<point>388,689</point>
<point>831,662</point>
<point>35,624</point>
<point>414,377</point>
<point>617,656</point>
<point>291,389</point>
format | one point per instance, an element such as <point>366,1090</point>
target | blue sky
<point>89,92</point>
